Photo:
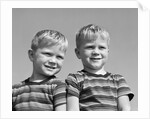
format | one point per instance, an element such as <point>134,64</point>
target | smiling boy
<point>43,91</point>
<point>93,88</point>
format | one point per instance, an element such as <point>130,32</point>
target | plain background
<point>121,23</point>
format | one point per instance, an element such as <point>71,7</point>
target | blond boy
<point>93,88</point>
<point>43,91</point>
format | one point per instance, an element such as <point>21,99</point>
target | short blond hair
<point>89,30</point>
<point>46,38</point>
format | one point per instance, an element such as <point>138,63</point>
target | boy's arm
<point>124,103</point>
<point>74,86</point>
<point>59,96</point>
<point>124,93</point>
<point>72,103</point>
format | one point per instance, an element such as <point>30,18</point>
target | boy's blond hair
<point>45,38</point>
<point>89,30</point>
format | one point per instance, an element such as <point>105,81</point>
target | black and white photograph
<point>72,57</point>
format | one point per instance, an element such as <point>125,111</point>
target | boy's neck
<point>101,71</point>
<point>34,78</point>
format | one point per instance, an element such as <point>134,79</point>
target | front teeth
<point>50,67</point>
<point>95,58</point>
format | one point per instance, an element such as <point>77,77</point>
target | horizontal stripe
<point>89,104</point>
<point>59,101</point>
<point>98,98</point>
<point>59,96</point>
<point>100,82</point>
<point>34,106</point>
<point>72,93</point>
<point>97,90</point>
<point>59,104</point>
<point>32,96</point>
<point>98,107</point>
<point>59,90</point>
<point>32,88</point>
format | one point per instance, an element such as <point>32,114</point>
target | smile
<point>49,67</point>
<point>95,59</point>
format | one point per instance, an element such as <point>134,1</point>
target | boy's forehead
<point>96,41</point>
<point>94,37</point>
<point>56,47</point>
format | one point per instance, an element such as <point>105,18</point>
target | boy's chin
<point>97,67</point>
<point>52,73</point>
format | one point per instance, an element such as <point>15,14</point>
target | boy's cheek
<point>60,63</point>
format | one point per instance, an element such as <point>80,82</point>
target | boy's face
<point>47,61</point>
<point>93,54</point>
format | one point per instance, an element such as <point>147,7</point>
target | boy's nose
<point>95,52</point>
<point>52,61</point>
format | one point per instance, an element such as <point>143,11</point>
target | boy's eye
<point>101,47</point>
<point>60,57</point>
<point>89,47</point>
<point>48,54</point>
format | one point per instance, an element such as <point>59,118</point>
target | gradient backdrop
<point>122,24</point>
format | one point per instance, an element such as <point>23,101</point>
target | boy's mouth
<point>95,59</point>
<point>50,67</point>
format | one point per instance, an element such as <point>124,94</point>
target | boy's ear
<point>31,54</point>
<point>77,53</point>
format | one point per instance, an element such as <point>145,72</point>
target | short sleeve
<point>73,88</point>
<point>123,88</point>
<point>15,92</point>
<point>59,94</point>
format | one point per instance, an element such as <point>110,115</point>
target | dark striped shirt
<point>42,96</point>
<point>97,92</point>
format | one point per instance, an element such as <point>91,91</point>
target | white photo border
<point>6,60</point>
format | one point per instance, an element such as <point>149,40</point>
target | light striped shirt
<point>42,96</point>
<point>97,92</point>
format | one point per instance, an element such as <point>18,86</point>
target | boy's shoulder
<point>56,80</point>
<point>17,85</point>
<point>116,76</point>
<point>57,83</point>
<point>76,73</point>
<point>77,76</point>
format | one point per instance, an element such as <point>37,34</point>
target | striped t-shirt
<point>97,92</point>
<point>42,96</point>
